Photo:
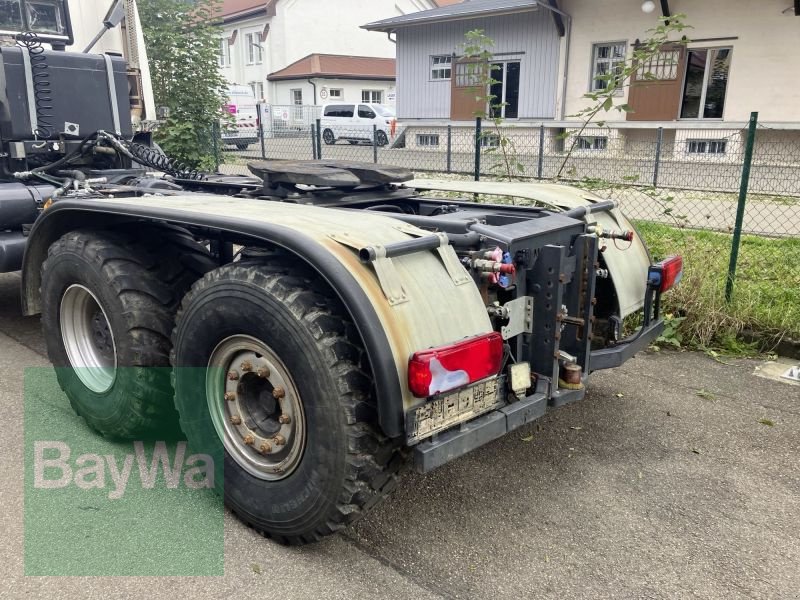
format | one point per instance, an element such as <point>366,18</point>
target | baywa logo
<point>56,466</point>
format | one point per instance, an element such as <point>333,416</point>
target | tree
<point>182,41</point>
<point>606,100</point>
<point>477,50</point>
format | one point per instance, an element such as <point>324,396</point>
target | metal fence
<point>690,178</point>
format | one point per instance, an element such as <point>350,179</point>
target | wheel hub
<point>255,407</point>
<point>88,339</point>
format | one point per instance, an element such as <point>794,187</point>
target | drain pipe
<point>313,85</point>
<point>567,43</point>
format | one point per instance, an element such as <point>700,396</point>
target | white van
<point>354,123</point>
<point>242,104</point>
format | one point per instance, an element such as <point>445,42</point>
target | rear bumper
<point>460,440</point>
<point>608,358</point>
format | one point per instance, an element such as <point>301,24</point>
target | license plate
<point>453,408</point>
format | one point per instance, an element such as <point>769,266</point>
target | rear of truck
<point>556,288</point>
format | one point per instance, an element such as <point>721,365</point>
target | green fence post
<point>657,162</point>
<point>313,141</point>
<point>477,149</point>
<point>737,229</point>
<point>215,138</point>
<point>449,148</point>
<point>319,139</point>
<point>540,162</point>
<point>375,143</point>
<point>260,109</point>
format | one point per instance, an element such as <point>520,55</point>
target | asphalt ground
<point>643,490</point>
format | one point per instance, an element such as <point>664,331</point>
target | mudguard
<point>627,263</point>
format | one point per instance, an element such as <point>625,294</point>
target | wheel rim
<point>328,136</point>
<point>88,339</point>
<point>255,407</point>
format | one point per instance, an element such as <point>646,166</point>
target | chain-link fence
<point>686,177</point>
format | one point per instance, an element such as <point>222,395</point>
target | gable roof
<point>339,67</point>
<point>462,10</point>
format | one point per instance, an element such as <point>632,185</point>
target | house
<point>549,53</point>
<point>262,37</point>
<point>320,78</point>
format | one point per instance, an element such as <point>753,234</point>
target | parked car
<point>243,106</point>
<point>354,123</point>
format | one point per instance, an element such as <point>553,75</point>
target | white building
<point>737,58</point>
<point>321,78</point>
<point>265,36</point>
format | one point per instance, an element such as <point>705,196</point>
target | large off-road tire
<point>109,300</point>
<point>262,351</point>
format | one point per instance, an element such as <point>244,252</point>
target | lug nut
<point>278,393</point>
<point>279,440</point>
<point>233,375</point>
<point>247,366</point>
<point>249,439</point>
<point>265,448</point>
<point>263,372</point>
<point>284,419</point>
<point>236,420</point>
<point>230,396</point>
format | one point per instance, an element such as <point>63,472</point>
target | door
<point>655,92</point>
<point>504,90</point>
<point>467,99</point>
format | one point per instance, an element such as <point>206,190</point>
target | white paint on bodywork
<point>627,264</point>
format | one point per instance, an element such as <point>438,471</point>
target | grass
<point>766,297</point>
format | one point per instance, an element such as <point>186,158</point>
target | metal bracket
<point>520,317</point>
<point>388,277</point>
<point>458,274</point>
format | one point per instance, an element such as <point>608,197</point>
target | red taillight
<point>446,368</point>
<point>666,273</point>
<point>232,109</point>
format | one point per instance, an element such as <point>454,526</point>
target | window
<point>706,83</point>
<point>428,139</point>
<point>441,67</point>
<point>591,143</point>
<point>336,94</point>
<point>662,66</point>
<point>297,97</point>
<point>468,74</point>
<point>505,90</point>
<point>258,89</point>
<point>365,112</point>
<point>490,140</point>
<point>372,96</point>
<point>339,110</point>
<point>253,49</point>
<point>706,146</point>
<point>607,60</point>
<point>224,53</point>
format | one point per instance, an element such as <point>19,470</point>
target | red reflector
<point>671,272</point>
<point>449,367</point>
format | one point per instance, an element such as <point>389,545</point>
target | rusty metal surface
<point>335,173</point>
<point>627,262</point>
<point>437,310</point>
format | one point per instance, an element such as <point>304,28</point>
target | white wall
<point>303,27</point>
<point>764,71</point>
<point>351,89</point>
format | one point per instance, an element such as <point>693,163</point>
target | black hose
<point>42,94</point>
<point>158,160</point>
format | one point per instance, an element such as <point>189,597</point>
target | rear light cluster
<point>446,368</point>
<point>666,273</point>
